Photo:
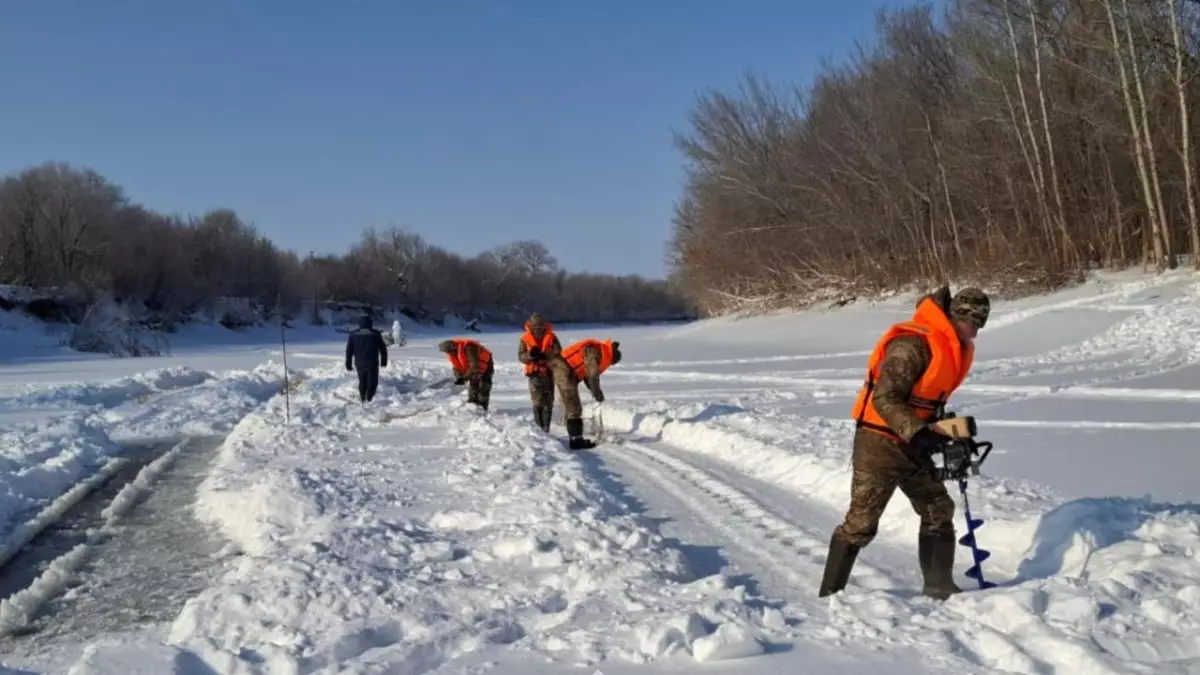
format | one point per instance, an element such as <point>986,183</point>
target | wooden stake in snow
<point>287,390</point>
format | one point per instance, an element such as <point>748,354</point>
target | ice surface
<point>418,535</point>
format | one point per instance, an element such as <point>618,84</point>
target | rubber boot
<point>936,555</point>
<point>541,417</point>
<point>838,564</point>
<point>575,435</point>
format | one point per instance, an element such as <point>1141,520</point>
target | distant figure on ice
<point>911,373</point>
<point>539,347</point>
<point>473,366</point>
<point>366,353</point>
<point>586,360</point>
<point>472,325</point>
<point>398,338</point>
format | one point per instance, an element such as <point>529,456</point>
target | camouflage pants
<point>541,390</point>
<point>879,467</point>
<point>568,388</point>
<point>479,390</point>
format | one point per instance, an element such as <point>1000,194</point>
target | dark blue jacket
<point>365,347</point>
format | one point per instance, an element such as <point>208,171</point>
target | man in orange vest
<point>912,371</point>
<point>586,360</point>
<point>473,366</point>
<point>539,350</point>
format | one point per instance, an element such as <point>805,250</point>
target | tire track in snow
<point>791,553</point>
<point>955,633</point>
<point>785,558</point>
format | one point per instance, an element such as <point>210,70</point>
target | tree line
<point>68,228</point>
<point>1012,143</point>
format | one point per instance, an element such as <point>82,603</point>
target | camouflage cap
<point>446,346</point>
<point>536,319</point>
<point>971,305</point>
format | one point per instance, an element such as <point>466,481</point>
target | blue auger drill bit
<point>977,554</point>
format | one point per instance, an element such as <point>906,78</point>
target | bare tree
<point>1185,132</point>
<point>990,148</point>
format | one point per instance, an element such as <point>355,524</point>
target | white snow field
<point>418,535</point>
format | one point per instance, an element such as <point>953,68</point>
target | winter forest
<point>1014,143</point>
<point>63,227</point>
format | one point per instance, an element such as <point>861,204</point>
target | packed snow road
<point>418,535</point>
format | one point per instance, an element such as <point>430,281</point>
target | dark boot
<point>936,555</point>
<point>838,564</point>
<point>541,417</point>
<point>576,441</point>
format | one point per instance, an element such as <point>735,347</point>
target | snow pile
<point>110,393</point>
<point>111,327</point>
<point>450,533</point>
<point>41,461</point>
<point>207,409</point>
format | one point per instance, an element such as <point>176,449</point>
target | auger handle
<point>987,445</point>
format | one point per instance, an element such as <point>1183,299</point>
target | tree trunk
<point>1185,135</point>
<point>1118,216</point>
<point>1163,225</point>
<point>1136,136</point>
<point>941,166</point>
<point>1039,175</point>
<point>1068,246</point>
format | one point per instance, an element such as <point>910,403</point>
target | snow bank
<point>415,531</point>
<point>207,409</point>
<point>42,461</point>
<point>112,393</point>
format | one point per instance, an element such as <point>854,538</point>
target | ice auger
<point>961,459</point>
<point>598,423</point>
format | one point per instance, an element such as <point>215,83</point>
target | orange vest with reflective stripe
<point>574,356</point>
<point>545,345</point>
<point>459,361</point>
<point>947,368</point>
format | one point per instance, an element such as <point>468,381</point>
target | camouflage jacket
<point>591,365</point>
<point>904,361</point>
<point>471,352</point>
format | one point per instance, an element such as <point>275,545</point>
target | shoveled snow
<point>419,535</point>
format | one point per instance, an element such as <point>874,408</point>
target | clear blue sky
<point>472,123</point>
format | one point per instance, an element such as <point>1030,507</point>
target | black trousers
<point>368,382</point>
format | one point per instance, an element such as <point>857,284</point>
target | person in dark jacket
<point>366,352</point>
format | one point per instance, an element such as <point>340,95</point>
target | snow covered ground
<point>419,535</point>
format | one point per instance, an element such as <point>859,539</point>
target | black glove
<point>599,396</point>
<point>535,353</point>
<point>460,381</point>
<point>927,441</point>
<point>349,367</point>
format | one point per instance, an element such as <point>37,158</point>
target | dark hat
<point>971,305</point>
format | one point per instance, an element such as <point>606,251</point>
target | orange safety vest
<point>459,359</point>
<point>545,345</point>
<point>574,356</point>
<point>946,370</point>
